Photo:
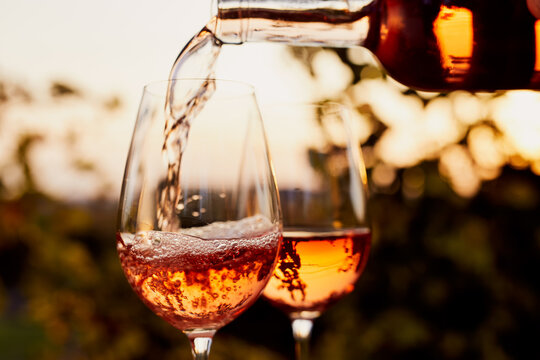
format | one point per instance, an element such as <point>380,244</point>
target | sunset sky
<point>105,49</point>
<point>98,44</point>
<point>112,48</point>
<point>116,47</point>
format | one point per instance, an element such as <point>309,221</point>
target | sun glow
<point>454,31</point>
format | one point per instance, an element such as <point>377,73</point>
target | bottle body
<point>434,45</point>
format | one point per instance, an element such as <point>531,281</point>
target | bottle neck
<point>332,23</point>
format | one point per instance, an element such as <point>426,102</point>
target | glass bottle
<point>432,45</point>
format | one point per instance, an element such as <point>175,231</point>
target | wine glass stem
<point>302,333</point>
<point>200,345</point>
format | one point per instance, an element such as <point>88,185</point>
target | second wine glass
<point>326,234</point>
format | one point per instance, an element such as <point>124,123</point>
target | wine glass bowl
<point>198,233</point>
<point>322,185</point>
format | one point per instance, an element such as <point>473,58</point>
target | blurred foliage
<point>448,278</point>
<point>59,89</point>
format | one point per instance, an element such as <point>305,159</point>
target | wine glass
<point>326,235</point>
<point>199,221</point>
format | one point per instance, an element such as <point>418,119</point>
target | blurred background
<point>454,184</point>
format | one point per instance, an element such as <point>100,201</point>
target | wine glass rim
<point>159,87</point>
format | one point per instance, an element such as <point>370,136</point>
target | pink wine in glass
<point>201,278</point>
<point>316,269</point>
